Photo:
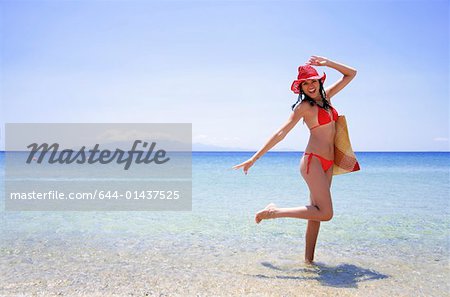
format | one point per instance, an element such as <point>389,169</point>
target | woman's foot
<point>267,213</point>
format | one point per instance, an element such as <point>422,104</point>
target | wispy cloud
<point>216,140</point>
<point>440,139</point>
<point>130,135</point>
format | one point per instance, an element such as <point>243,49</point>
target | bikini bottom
<point>326,164</point>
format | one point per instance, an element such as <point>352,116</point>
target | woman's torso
<point>322,127</point>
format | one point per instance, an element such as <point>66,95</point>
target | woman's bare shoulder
<point>305,107</point>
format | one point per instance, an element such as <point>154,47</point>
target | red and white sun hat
<point>306,72</point>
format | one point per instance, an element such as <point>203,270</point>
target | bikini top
<point>324,117</point>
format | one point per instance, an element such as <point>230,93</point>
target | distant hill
<point>208,147</point>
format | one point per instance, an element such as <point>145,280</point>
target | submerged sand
<point>83,266</point>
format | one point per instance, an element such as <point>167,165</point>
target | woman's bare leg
<point>307,212</point>
<point>318,185</point>
<point>321,208</point>
<point>312,232</point>
<point>312,229</point>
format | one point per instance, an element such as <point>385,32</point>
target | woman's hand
<point>317,61</point>
<point>246,165</point>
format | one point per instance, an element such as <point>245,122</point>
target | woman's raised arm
<point>348,72</point>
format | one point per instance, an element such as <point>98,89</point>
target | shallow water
<point>389,236</point>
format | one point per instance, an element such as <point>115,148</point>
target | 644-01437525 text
<point>101,195</point>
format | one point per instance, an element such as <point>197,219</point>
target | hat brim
<point>295,87</point>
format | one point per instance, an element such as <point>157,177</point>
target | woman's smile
<point>311,87</point>
<point>312,90</point>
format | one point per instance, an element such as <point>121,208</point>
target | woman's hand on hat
<point>246,165</point>
<point>317,61</point>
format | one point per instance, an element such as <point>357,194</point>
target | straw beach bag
<point>344,157</point>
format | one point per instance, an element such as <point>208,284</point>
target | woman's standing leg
<point>312,229</point>
<point>312,232</point>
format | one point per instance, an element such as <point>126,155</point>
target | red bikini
<point>323,117</point>
<point>326,164</point>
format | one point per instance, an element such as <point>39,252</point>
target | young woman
<point>316,165</point>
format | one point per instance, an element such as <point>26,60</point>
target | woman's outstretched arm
<point>295,116</point>
<point>348,73</point>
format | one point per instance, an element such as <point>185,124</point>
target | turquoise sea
<point>389,236</point>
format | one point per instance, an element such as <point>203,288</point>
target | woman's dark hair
<point>303,97</point>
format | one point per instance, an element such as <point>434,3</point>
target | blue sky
<point>227,66</point>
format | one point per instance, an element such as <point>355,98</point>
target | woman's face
<point>311,88</point>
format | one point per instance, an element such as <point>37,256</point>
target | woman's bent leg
<point>318,185</point>
<point>307,212</point>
